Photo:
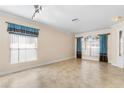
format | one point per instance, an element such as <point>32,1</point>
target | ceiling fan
<point>37,9</point>
<point>118,18</point>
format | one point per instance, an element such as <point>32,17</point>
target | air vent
<point>75,20</point>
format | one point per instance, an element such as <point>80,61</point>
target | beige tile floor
<point>68,74</point>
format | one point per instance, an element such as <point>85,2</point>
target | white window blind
<point>23,48</point>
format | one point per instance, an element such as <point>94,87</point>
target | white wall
<point>119,60</point>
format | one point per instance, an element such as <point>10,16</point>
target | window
<point>23,45</point>
<point>90,46</point>
<point>120,43</point>
<point>23,48</point>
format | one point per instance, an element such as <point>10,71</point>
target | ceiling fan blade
<point>33,15</point>
<point>41,8</point>
<point>37,8</point>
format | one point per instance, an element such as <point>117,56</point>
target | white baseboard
<point>59,60</point>
<point>34,66</point>
<point>119,62</point>
<point>120,66</point>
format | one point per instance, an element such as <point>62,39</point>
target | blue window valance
<point>22,30</point>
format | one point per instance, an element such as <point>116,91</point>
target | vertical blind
<point>90,46</point>
<point>23,45</point>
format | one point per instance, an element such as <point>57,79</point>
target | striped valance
<point>22,30</point>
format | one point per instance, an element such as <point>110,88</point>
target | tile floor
<point>73,73</point>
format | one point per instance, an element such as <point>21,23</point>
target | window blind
<point>23,48</point>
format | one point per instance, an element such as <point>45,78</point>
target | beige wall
<point>52,45</point>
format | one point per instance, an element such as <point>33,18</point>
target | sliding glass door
<point>90,48</point>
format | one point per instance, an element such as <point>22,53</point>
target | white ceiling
<point>91,17</point>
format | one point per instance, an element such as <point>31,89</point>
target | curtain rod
<point>104,34</point>
<point>9,22</point>
<point>79,37</point>
<point>21,25</point>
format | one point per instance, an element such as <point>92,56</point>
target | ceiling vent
<point>75,20</point>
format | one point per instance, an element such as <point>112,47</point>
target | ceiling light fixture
<point>37,9</point>
<point>118,18</point>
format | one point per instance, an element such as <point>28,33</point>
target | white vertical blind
<point>90,46</point>
<point>23,48</point>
